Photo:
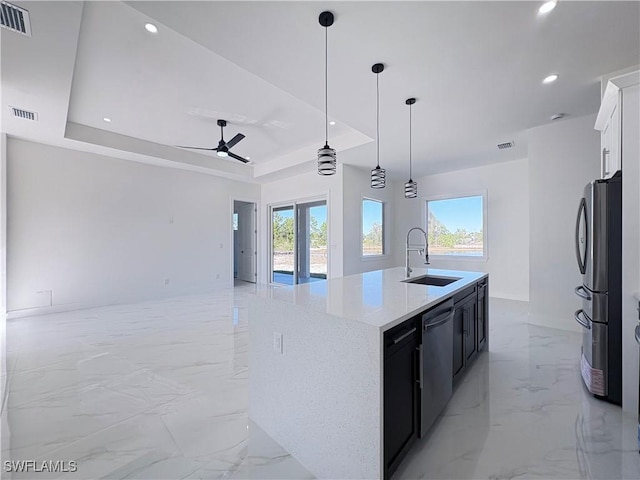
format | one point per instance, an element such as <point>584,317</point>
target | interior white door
<point>247,242</point>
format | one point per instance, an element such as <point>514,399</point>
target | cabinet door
<point>470,329</point>
<point>458,341</point>
<point>482,316</point>
<point>610,139</point>
<point>400,403</point>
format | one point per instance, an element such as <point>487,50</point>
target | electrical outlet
<point>217,276</point>
<point>166,281</point>
<point>277,342</point>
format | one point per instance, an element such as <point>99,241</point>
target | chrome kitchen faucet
<point>424,250</point>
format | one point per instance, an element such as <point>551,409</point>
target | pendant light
<point>378,175</point>
<point>326,155</point>
<point>411,187</point>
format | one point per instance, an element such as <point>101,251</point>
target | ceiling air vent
<point>20,113</point>
<point>504,145</point>
<point>15,18</point>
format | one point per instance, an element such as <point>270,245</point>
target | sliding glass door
<point>299,251</point>
<point>282,245</point>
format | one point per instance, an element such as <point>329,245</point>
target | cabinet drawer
<point>462,296</point>
<point>400,335</point>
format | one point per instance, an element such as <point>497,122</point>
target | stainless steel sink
<point>432,280</point>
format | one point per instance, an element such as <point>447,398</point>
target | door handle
<point>440,319</point>
<point>580,320</point>
<point>582,293</point>
<point>638,333</point>
<point>404,335</point>
<point>582,265</point>
<point>420,379</point>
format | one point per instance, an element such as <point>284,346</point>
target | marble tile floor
<point>159,390</point>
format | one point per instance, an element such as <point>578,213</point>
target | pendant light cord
<point>410,129</point>
<point>378,119</point>
<point>326,88</point>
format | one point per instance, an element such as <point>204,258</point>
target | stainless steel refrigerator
<point>599,254</point>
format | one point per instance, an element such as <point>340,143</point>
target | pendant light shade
<point>378,175</point>
<point>410,187</point>
<point>326,160</point>
<point>326,155</point>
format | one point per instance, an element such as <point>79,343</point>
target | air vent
<point>15,18</point>
<point>502,146</point>
<point>20,113</point>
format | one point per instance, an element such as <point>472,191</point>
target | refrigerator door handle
<point>582,261</point>
<point>580,320</point>
<point>582,293</point>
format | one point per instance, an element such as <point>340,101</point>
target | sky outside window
<point>455,226</point>
<point>372,227</point>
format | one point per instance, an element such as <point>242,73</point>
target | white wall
<point>630,244</point>
<point>507,222</point>
<point>3,225</point>
<point>563,158</point>
<point>301,187</point>
<point>357,184</point>
<point>87,230</point>
<point>5,369</point>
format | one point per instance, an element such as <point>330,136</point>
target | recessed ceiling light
<point>107,119</point>
<point>550,78</point>
<point>547,7</point>
<point>150,27</point>
<point>332,123</point>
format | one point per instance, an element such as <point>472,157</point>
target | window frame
<point>485,234</point>
<point>375,256</point>
<point>294,204</point>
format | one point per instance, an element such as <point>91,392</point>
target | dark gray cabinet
<point>483,314</point>
<point>464,330</point>
<point>401,392</point>
<point>458,341</point>
<point>470,326</point>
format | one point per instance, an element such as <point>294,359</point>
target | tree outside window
<point>372,227</point>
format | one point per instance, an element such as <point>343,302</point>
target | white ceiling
<point>475,68</point>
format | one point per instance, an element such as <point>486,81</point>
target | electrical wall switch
<point>277,342</point>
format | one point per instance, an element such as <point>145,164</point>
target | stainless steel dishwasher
<point>436,363</point>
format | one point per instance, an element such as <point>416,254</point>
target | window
<point>372,227</point>
<point>235,221</point>
<point>456,226</point>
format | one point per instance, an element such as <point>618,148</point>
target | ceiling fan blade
<point>238,157</point>
<point>198,148</point>
<point>235,140</point>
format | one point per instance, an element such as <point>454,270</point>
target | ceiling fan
<point>222,150</point>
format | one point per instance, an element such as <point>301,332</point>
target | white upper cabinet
<point>609,123</point>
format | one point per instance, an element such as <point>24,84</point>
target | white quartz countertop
<point>380,298</point>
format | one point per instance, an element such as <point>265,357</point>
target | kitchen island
<point>319,355</point>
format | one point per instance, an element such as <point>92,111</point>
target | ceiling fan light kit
<point>378,175</point>
<point>410,187</point>
<point>222,150</point>
<point>326,155</point>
